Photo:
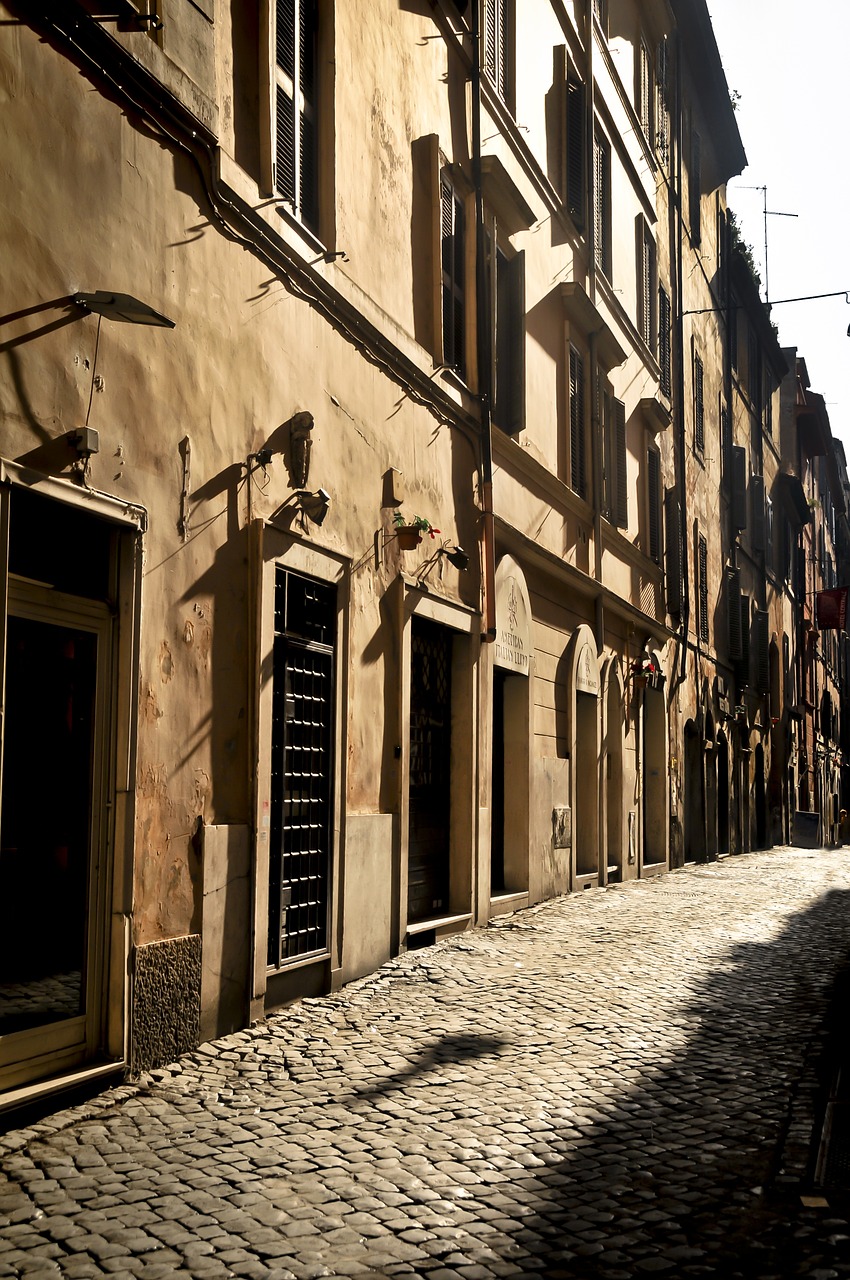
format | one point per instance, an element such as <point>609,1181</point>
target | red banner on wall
<point>832,609</point>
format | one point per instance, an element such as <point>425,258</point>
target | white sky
<point>791,65</point>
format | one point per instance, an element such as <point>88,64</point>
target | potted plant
<point>409,532</point>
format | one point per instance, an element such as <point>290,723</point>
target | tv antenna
<point>768,213</point>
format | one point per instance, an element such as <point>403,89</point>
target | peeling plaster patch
<point>188,633</point>
<point>150,707</point>
<point>166,662</point>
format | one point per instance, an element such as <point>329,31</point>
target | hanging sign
<point>831,609</point>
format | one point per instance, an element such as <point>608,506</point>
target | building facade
<point>370,376</point>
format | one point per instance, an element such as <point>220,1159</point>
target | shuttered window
<point>662,99</point>
<point>496,45</point>
<point>761,635</point>
<point>644,90</point>
<point>726,444</point>
<point>695,188</point>
<point>578,468</point>
<point>453,260</point>
<point>733,612</point>
<point>295,108</point>
<point>739,487</point>
<point>621,489</point>
<point>699,406</point>
<point>600,8</point>
<point>509,343</point>
<point>602,204</point>
<point>746,609</point>
<point>673,550</point>
<point>702,583</point>
<point>645,283</point>
<point>575,142</point>
<point>758,525</point>
<point>664,343</point>
<point>653,485</point>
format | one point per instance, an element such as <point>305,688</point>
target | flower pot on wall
<point>409,536</point>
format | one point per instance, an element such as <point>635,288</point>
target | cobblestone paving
<point>597,1087</point>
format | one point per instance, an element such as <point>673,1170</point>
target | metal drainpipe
<point>680,373</point>
<point>483,347</point>
<point>593,338</point>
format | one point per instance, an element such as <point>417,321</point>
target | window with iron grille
<point>702,581</point>
<point>497,46</point>
<point>578,467</point>
<point>294,107</point>
<point>301,768</point>
<point>699,406</point>
<point>452,240</point>
<point>602,203</point>
<point>664,343</point>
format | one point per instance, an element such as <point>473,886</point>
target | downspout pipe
<point>593,338</point>
<point>484,352</point>
<point>680,375</point>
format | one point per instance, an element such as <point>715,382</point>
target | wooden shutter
<point>496,44</point>
<point>699,406</point>
<point>744,674</point>
<point>758,526</point>
<point>600,203</point>
<point>662,114</point>
<point>575,157</point>
<point>653,484</point>
<point>673,549</point>
<point>664,343</point>
<point>509,405</point>
<point>726,444</point>
<point>296,133</point>
<point>621,491</point>
<point>739,487</point>
<point>454,302</point>
<point>695,187</point>
<point>578,472</point>
<point>645,90</point>
<point>762,644</point>
<point>733,611</point>
<point>702,580</point>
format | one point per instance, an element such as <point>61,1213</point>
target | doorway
<point>429,840</point>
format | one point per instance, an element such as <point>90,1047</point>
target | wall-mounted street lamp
<point>122,307</point>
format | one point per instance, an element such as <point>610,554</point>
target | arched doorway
<point>760,798</point>
<point>694,799</point>
<point>710,789</point>
<point>511,739</point>
<point>722,774</point>
<point>584,754</point>
<point>612,773</point>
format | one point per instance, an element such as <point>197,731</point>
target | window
<point>294,129</point>
<point>613,419</point>
<point>578,464</point>
<point>496,46</point>
<point>767,403</point>
<point>600,9</point>
<point>453,277</point>
<point>645,283</point>
<point>576,112</point>
<point>653,494</point>
<point>726,444</point>
<point>602,203</point>
<point>662,100</point>
<point>769,560</point>
<point>509,343</point>
<point>643,90</point>
<point>695,188</point>
<point>699,406</point>
<point>702,584</point>
<point>665,321</point>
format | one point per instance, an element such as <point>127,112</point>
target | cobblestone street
<point>599,1086</point>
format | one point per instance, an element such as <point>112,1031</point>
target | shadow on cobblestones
<point>678,1174</point>
<point>597,1087</point>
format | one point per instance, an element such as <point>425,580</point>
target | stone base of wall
<point>166,1002</point>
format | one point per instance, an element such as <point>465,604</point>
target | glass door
<point>52,891</point>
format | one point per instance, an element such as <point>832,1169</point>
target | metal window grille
<point>699,406</point>
<point>302,733</point>
<point>702,577</point>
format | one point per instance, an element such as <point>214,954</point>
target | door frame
<point>104,1049</point>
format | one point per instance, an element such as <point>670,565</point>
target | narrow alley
<point>610,1084</point>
